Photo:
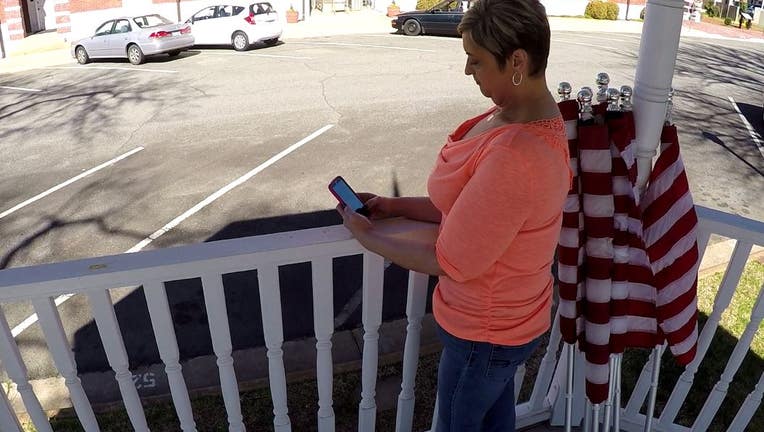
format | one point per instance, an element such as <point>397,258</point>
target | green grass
<point>731,327</point>
<point>257,410</point>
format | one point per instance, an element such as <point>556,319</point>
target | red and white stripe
<point>599,211</point>
<point>670,233</point>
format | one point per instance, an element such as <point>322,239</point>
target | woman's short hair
<point>502,26</point>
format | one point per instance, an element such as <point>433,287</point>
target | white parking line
<point>362,46</point>
<point>257,55</point>
<point>582,44</point>
<point>135,69</point>
<point>20,89</point>
<point>190,212</point>
<point>580,35</point>
<point>748,126</point>
<point>68,182</point>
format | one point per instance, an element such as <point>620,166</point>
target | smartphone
<point>346,196</point>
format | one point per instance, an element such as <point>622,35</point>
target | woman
<point>497,191</point>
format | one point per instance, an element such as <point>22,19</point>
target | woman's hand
<point>379,206</point>
<point>356,223</point>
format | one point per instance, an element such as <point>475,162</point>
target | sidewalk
<point>49,50</point>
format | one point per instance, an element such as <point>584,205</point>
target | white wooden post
<point>721,302</point>
<point>719,392</point>
<point>546,369</point>
<point>323,324</point>
<point>161,321</point>
<point>8,420</point>
<point>415,307</point>
<point>273,329</point>
<point>214,300</point>
<point>658,48</point>
<point>17,372</point>
<point>641,388</point>
<point>373,278</point>
<point>519,378</point>
<point>113,345</point>
<point>748,409</point>
<point>50,322</point>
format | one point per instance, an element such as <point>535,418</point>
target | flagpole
<point>659,44</point>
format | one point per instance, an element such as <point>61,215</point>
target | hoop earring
<point>515,81</point>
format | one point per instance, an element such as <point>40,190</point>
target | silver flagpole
<point>610,391</point>
<point>588,416</point>
<point>617,394</point>
<point>569,388</point>
<point>658,353</point>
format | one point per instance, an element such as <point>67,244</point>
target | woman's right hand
<point>379,206</point>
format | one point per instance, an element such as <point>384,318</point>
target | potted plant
<point>292,15</point>
<point>393,9</point>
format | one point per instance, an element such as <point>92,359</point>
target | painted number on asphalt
<point>145,380</point>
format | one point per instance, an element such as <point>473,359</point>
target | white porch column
<point>655,69</point>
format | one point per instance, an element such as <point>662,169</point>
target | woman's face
<point>482,66</point>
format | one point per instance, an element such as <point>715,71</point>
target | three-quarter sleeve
<point>488,213</point>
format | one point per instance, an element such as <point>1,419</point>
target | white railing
<point>210,261</point>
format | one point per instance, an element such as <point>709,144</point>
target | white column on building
<point>658,49</point>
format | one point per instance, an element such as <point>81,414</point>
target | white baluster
<point>748,409</point>
<point>611,390</point>
<point>415,307</point>
<point>641,388</point>
<point>519,378</point>
<point>273,329</point>
<point>8,420</point>
<point>434,427</point>
<point>161,321</point>
<point>17,372</point>
<point>658,356</point>
<point>719,392</point>
<point>546,367</point>
<point>721,302</point>
<point>214,300</point>
<point>323,324</point>
<point>50,322</point>
<point>111,338</point>
<point>373,278</point>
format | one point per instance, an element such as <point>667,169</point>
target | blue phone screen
<point>348,197</point>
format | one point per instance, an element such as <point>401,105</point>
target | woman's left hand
<point>357,223</point>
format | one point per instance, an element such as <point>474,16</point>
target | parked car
<point>240,25</point>
<point>442,19</point>
<point>134,38</point>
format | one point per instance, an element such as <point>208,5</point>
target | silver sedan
<point>134,38</point>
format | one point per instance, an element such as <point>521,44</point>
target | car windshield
<point>151,21</point>
<point>448,6</point>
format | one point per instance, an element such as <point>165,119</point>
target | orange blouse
<point>501,194</point>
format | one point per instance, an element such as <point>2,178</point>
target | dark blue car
<point>441,19</point>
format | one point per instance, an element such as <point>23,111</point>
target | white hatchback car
<point>237,24</point>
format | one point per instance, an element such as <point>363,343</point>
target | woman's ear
<point>519,59</point>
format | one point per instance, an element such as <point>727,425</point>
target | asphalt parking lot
<point>110,158</point>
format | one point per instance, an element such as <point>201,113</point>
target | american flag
<point>627,269</point>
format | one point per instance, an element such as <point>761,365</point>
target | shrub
<point>727,21</point>
<point>426,4</point>
<point>600,9</point>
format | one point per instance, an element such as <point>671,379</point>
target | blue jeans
<point>476,384</point>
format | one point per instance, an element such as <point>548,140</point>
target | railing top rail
<point>729,225</point>
<point>225,256</point>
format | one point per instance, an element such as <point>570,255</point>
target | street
<point>110,158</point>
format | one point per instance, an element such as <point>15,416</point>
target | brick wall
<point>11,10</point>
<point>89,5</point>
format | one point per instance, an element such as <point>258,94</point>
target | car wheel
<point>271,42</point>
<point>82,55</point>
<point>135,55</point>
<point>412,27</point>
<point>173,53</point>
<point>240,41</point>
